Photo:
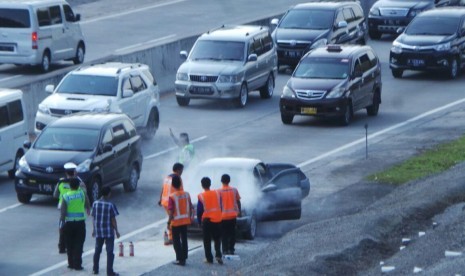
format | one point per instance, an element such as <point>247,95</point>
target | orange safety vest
<point>211,205</point>
<point>229,197</point>
<point>182,207</point>
<point>167,190</point>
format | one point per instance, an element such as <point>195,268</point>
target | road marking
<point>10,207</point>
<point>9,78</point>
<point>391,128</point>
<point>99,18</point>
<point>153,41</point>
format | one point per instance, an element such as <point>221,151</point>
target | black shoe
<point>179,263</point>
<point>113,274</point>
<point>207,261</point>
<point>78,268</point>
<point>219,260</point>
<point>94,272</point>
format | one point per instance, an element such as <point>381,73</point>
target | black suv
<point>434,40</point>
<point>105,147</point>
<point>334,81</point>
<point>310,25</point>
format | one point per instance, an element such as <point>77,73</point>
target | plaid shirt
<point>102,212</point>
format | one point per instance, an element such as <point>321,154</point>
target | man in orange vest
<point>230,210</point>
<point>165,193</point>
<point>209,216</point>
<point>180,213</point>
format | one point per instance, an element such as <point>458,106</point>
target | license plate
<point>45,187</point>
<point>308,110</point>
<point>293,54</point>
<point>417,62</point>
<point>201,90</point>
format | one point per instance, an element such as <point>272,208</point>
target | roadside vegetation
<point>431,161</point>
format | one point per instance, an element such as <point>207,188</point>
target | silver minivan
<point>13,129</point>
<point>36,32</point>
<point>228,63</point>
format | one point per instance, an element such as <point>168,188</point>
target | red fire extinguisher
<point>131,249</point>
<point>121,249</point>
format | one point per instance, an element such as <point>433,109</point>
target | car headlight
<point>374,11</point>
<point>23,165</point>
<point>319,43</point>
<point>84,166</point>
<point>182,77</point>
<point>228,79</point>
<point>288,92</point>
<point>442,47</point>
<point>336,92</point>
<point>396,47</point>
<point>43,109</point>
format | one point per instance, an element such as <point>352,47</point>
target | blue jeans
<point>110,244</point>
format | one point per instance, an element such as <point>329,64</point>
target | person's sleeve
<point>114,211</point>
<point>199,212</point>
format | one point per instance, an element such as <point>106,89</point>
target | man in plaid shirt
<point>104,215</point>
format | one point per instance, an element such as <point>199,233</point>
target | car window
<point>218,50</point>
<point>373,59</point>
<point>358,12</point>
<point>287,180</point>
<point>89,85</point>
<point>307,19</point>
<point>55,15</point>
<point>15,112</point>
<point>69,14</point>
<point>357,66</point>
<point>365,63</point>
<point>348,16</point>
<point>339,17</point>
<point>14,18</point>
<point>130,129</point>
<point>107,137</point>
<point>67,139</point>
<point>43,17</point>
<point>137,84</point>
<point>256,45</point>
<point>429,25</point>
<point>267,42</point>
<point>149,76</point>
<point>260,173</point>
<point>322,68</point>
<point>3,116</point>
<point>119,134</point>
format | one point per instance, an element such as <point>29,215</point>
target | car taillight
<point>34,40</point>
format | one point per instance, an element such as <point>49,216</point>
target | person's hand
<point>159,203</point>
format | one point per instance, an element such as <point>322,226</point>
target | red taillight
<point>34,40</point>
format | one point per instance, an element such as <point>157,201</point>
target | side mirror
<point>341,24</point>
<point>252,57</point>
<point>128,93</point>
<point>269,188</point>
<point>49,88</point>
<point>27,144</point>
<point>400,30</point>
<point>77,17</point>
<point>274,21</point>
<point>183,54</point>
<point>107,148</point>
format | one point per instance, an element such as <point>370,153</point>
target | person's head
<point>105,192</point>
<point>74,183</point>
<point>176,181</point>
<point>225,179</point>
<point>184,138</point>
<point>178,168</point>
<point>206,182</point>
<point>70,169</point>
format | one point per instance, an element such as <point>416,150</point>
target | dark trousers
<point>62,242</point>
<point>211,230</point>
<point>228,232</point>
<point>110,245</point>
<point>75,235</point>
<point>180,242</point>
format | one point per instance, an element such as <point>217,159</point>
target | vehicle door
<point>461,43</point>
<point>72,30</point>
<point>128,99</point>
<point>368,80</point>
<point>281,196</point>
<point>356,84</point>
<point>266,59</point>
<point>253,68</point>
<point>52,33</point>
<point>339,34</point>
<point>141,98</point>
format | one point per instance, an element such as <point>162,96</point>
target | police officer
<point>187,149</point>
<point>72,221</point>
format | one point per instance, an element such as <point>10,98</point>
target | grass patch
<point>432,161</point>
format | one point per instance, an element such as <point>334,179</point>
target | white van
<point>13,129</point>
<point>38,32</point>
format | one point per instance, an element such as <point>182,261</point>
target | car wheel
<point>152,124</point>
<point>24,198</point>
<point>11,173</point>
<point>241,101</point>
<point>287,118</point>
<point>80,52</point>
<point>347,117</point>
<point>252,231</point>
<point>182,101</point>
<point>45,64</point>
<point>397,73</point>
<point>267,90</point>
<point>374,34</point>
<point>372,110</point>
<point>95,186</point>
<point>131,184</point>
<point>453,69</point>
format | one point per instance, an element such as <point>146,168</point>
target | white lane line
<point>391,128</point>
<point>10,78</point>
<point>10,207</point>
<point>171,149</point>
<point>145,43</point>
<point>131,11</point>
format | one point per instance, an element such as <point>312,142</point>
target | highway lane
<point>30,231</point>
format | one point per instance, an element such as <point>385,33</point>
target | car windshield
<point>322,68</point>
<point>67,139</point>
<point>218,50</point>
<point>14,18</point>
<point>89,85</point>
<point>429,25</point>
<point>307,19</point>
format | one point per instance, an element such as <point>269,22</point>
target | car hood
<point>55,158</point>
<point>401,4</point>
<point>76,101</point>
<point>313,84</point>
<point>299,34</point>
<point>423,40</point>
<point>212,68</point>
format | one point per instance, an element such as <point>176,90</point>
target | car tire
<point>93,192</point>
<point>251,233</point>
<point>45,63</point>
<point>267,90</point>
<point>453,70</point>
<point>373,109</point>
<point>23,197</point>
<point>183,101</point>
<point>152,124</point>
<point>11,173</point>
<point>397,73</point>
<point>80,53</point>
<point>131,184</point>
<point>287,118</point>
<point>348,113</point>
<point>241,101</point>
<point>374,35</point>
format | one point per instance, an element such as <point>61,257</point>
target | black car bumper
<point>387,24</point>
<point>317,108</point>
<point>242,224</point>
<point>420,60</point>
